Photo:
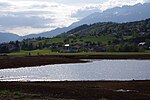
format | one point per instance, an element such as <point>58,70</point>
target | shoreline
<point>108,56</point>
<point>66,90</point>
<point>32,61</point>
<point>81,90</point>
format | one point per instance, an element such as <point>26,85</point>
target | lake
<point>95,70</point>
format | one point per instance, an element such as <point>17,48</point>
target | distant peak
<point>138,4</point>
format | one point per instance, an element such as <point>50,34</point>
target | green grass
<point>49,41</point>
<point>102,98</point>
<point>33,52</point>
<point>101,39</point>
<point>147,51</point>
<point>6,92</point>
<point>48,52</point>
<point>127,37</point>
<point>19,96</point>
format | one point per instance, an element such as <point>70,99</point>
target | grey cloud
<point>43,6</point>
<point>4,5</point>
<point>38,6</point>
<point>23,20</point>
<point>30,13</point>
<point>81,13</point>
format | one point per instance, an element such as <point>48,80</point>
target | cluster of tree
<point>9,47</point>
<point>26,44</point>
<point>126,47</point>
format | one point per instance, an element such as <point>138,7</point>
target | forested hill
<point>104,28</point>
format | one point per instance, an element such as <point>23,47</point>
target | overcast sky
<point>34,16</point>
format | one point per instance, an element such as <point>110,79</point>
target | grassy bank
<point>48,52</point>
<point>86,55</point>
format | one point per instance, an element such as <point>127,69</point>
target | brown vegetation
<point>28,61</point>
<point>83,90</point>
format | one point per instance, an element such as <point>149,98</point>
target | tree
<point>66,40</point>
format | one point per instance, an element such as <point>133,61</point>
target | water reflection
<point>96,70</point>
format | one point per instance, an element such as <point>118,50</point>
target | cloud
<point>39,6</point>
<point>85,11</point>
<point>25,30</point>
<point>3,4</point>
<point>34,16</point>
<point>13,20</point>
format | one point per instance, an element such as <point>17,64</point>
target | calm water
<point>96,70</point>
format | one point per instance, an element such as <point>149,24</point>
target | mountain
<point>105,28</point>
<point>117,14</point>
<point>49,33</point>
<point>6,37</point>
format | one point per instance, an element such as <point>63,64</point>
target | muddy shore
<point>29,61</point>
<point>81,90</point>
<point>108,56</point>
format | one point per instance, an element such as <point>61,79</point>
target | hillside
<point>110,36</point>
<point>99,29</point>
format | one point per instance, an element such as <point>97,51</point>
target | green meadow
<point>48,52</point>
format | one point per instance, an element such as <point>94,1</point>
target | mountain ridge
<point>117,14</point>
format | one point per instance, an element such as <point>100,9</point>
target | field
<point>33,52</point>
<point>101,39</point>
<point>49,41</point>
<point>48,52</point>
